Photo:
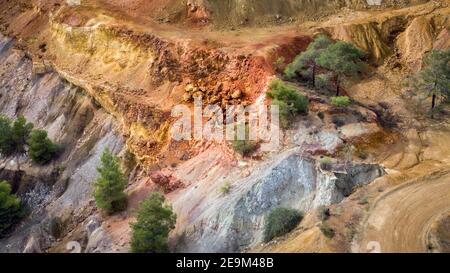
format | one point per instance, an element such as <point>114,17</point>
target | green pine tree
<point>109,187</point>
<point>14,135</point>
<point>10,207</point>
<point>344,60</point>
<point>21,130</point>
<point>155,220</point>
<point>307,60</point>
<point>434,78</point>
<point>41,148</point>
<point>6,141</point>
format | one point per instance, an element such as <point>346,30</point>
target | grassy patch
<point>281,221</point>
<point>340,101</point>
<point>326,230</point>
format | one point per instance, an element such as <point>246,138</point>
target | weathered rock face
<point>233,222</point>
<point>410,33</point>
<point>367,36</point>
<point>62,189</point>
<point>422,34</point>
<point>208,221</point>
<point>255,12</point>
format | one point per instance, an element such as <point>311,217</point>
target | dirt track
<point>400,219</point>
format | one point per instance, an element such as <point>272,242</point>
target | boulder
<point>236,94</point>
<point>33,245</point>
<point>92,225</point>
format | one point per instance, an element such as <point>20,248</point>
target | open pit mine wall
<point>237,13</point>
<point>62,189</point>
<point>235,222</point>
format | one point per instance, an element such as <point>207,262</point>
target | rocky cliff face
<point>235,221</point>
<point>270,12</point>
<point>227,14</point>
<point>62,190</point>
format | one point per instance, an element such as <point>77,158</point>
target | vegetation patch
<point>10,208</point>
<point>290,102</point>
<point>324,213</point>
<point>338,121</point>
<point>41,149</point>
<point>326,163</point>
<point>18,138</point>
<point>225,189</point>
<point>155,220</point>
<point>244,147</point>
<point>281,221</point>
<point>433,80</point>
<point>341,101</point>
<point>326,230</point>
<point>110,186</point>
<point>326,63</point>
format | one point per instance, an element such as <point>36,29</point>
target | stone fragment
<point>236,94</point>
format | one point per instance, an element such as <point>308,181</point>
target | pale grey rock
<point>234,222</point>
<point>73,3</point>
<point>32,246</point>
<point>97,240</point>
<point>92,224</point>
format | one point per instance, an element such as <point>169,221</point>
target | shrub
<point>55,227</point>
<point>341,101</point>
<point>338,121</point>
<point>290,72</point>
<point>279,64</point>
<point>362,154</point>
<point>245,147</point>
<point>289,101</point>
<point>324,81</point>
<point>286,113</point>
<point>281,221</point>
<point>324,213</point>
<point>14,135</point>
<point>280,91</point>
<point>363,201</point>
<point>225,189</point>
<point>327,230</point>
<point>10,208</point>
<point>109,187</point>
<point>326,163</point>
<point>21,130</point>
<point>6,141</point>
<point>321,115</point>
<point>41,148</point>
<point>60,169</point>
<point>154,222</point>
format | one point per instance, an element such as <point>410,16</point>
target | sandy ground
<point>400,219</point>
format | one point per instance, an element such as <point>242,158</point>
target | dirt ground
<point>400,219</point>
<point>439,236</point>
